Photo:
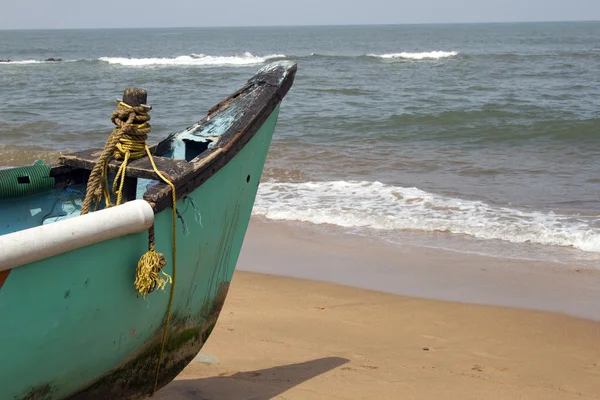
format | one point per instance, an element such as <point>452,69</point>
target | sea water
<point>475,137</point>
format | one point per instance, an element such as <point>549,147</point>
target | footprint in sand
<point>369,366</point>
<point>364,366</point>
<point>430,337</point>
<point>487,355</point>
<point>485,368</point>
<point>595,368</point>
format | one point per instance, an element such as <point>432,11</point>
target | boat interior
<point>42,194</point>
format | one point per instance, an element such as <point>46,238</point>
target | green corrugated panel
<point>25,181</point>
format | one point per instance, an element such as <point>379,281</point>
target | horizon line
<point>307,25</point>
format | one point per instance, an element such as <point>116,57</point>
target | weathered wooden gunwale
<point>140,168</point>
<point>258,98</point>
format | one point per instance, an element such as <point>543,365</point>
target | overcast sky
<point>31,14</point>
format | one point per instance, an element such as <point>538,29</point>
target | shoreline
<point>287,338</point>
<point>316,253</point>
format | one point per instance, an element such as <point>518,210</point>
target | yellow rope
<point>131,146</point>
<point>170,306</point>
<point>128,142</point>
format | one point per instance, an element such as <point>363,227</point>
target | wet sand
<point>290,338</point>
<point>323,254</point>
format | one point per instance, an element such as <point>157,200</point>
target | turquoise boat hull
<point>73,326</point>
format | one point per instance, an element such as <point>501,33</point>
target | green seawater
<point>487,134</point>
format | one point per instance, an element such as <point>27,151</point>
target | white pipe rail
<point>34,244</point>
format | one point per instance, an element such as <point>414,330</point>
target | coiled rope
<point>127,142</point>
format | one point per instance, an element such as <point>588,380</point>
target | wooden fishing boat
<point>72,323</point>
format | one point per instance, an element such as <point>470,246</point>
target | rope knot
<point>127,142</point>
<point>148,272</point>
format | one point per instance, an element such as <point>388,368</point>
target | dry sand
<point>284,338</point>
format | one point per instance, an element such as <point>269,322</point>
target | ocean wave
<point>193,60</point>
<point>46,61</point>
<point>375,205</point>
<point>432,55</point>
<point>329,56</point>
<point>9,62</point>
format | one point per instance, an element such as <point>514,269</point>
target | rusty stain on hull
<point>3,276</point>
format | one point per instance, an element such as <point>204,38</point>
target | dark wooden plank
<point>258,99</point>
<point>142,168</point>
<point>65,176</point>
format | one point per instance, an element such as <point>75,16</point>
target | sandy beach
<point>426,223</point>
<point>290,338</point>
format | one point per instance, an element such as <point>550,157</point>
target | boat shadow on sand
<point>261,384</point>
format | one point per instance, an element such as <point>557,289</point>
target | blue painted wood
<point>23,213</point>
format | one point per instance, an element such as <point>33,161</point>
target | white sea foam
<point>26,62</point>
<point>379,206</point>
<point>193,60</point>
<point>417,56</point>
<point>21,62</point>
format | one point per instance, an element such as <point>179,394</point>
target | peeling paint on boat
<point>72,325</point>
<point>275,66</point>
<point>209,132</point>
<point>67,342</point>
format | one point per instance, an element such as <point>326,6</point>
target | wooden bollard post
<point>133,97</point>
